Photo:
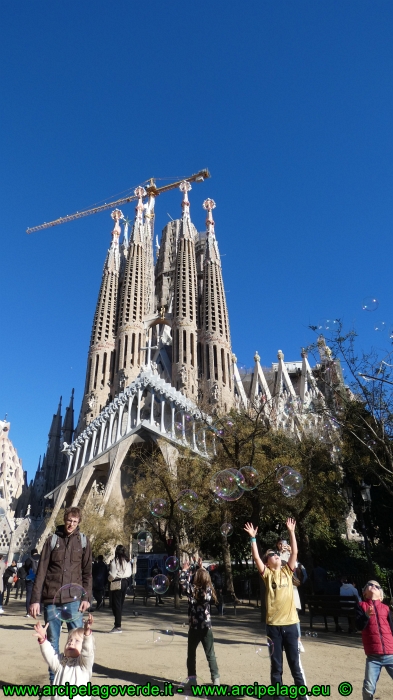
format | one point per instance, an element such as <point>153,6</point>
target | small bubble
<point>370,304</point>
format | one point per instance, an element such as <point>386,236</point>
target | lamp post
<point>366,496</point>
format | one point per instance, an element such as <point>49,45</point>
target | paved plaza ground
<point>133,657</point>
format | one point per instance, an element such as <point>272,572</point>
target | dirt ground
<point>134,658</point>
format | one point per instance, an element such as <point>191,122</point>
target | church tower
<point>101,358</point>
<point>131,312</point>
<point>214,346</point>
<point>184,326</point>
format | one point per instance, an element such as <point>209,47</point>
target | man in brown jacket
<point>65,559</point>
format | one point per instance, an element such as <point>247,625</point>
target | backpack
<point>33,570</point>
<point>54,539</point>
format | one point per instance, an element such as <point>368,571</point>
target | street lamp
<point>365,494</point>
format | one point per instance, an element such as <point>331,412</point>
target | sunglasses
<point>374,585</point>
<point>273,554</point>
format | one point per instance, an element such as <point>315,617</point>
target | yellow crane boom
<point>151,190</point>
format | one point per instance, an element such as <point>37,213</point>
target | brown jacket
<point>67,563</point>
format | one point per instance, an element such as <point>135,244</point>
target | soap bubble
<point>159,507</point>
<point>160,584</point>
<point>187,501</point>
<point>281,472</point>
<point>144,538</point>
<point>205,441</point>
<point>238,493</point>
<point>314,634</point>
<point>328,324</point>
<point>250,478</point>
<point>380,326</point>
<point>264,647</point>
<point>224,483</point>
<point>178,424</point>
<point>67,600</point>
<point>291,483</point>
<point>226,529</point>
<point>189,427</point>
<point>163,636</point>
<point>172,564</point>
<point>370,304</point>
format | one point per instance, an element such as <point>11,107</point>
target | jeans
<point>29,590</point>
<point>20,587</point>
<point>374,665</point>
<point>205,636</point>
<point>54,628</point>
<point>284,637</point>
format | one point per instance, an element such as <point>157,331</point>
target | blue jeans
<point>54,628</point>
<point>374,665</point>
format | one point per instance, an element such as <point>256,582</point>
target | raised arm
<point>291,524</point>
<point>252,532</point>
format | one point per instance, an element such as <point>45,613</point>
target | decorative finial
<point>257,357</point>
<point>185,187</point>
<point>234,358</point>
<point>116,215</point>
<point>304,353</point>
<point>139,192</point>
<point>280,355</point>
<point>209,205</point>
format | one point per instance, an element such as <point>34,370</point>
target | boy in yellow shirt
<point>281,613</point>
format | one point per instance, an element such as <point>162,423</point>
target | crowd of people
<point>66,562</point>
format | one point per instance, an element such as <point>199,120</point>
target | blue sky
<point>289,104</point>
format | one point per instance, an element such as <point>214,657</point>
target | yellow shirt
<point>280,604</point>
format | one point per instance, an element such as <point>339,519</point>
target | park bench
<point>140,591</point>
<point>228,599</point>
<point>334,606</point>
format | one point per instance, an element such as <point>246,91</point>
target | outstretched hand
<point>88,624</point>
<point>291,524</point>
<point>251,530</point>
<point>40,631</point>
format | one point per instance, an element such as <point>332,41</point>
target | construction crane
<point>151,190</point>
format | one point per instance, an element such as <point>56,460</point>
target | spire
<point>149,255</point>
<point>215,353</point>
<point>211,251</point>
<point>102,342</point>
<point>132,300</point>
<point>68,423</point>
<point>184,357</point>
<point>55,429</point>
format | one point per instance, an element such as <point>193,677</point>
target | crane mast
<point>151,189</point>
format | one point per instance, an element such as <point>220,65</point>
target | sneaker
<point>27,615</point>
<point>1,611</point>
<point>116,630</point>
<point>300,646</point>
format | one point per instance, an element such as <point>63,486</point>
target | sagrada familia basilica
<point>160,364</point>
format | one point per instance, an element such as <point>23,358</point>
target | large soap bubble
<point>159,507</point>
<point>172,564</point>
<point>187,501</point>
<point>250,478</point>
<point>292,483</point>
<point>224,483</point>
<point>179,425</point>
<point>226,529</point>
<point>264,647</point>
<point>67,601</point>
<point>144,538</point>
<point>160,584</point>
<point>238,493</point>
<point>280,473</point>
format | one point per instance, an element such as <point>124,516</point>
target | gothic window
<point>192,349</point>
<point>207,363</point>
<point>223,365</point>
<point>88,378</point>
<point>96,371</point>
<point>133,350</point>
<point>176,346</point>
<point>185,347</point>
<point>215,362</point>
<point>125,351</point>
<point>229,371</point>
<point>104,369</point>
<point>118,355</point>
<point>112,365</point>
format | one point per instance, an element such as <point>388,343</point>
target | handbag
<point>116,585</point>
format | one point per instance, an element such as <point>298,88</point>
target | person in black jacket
<point>31,566</point>
<point>8,580</point>
<point>100,578</point>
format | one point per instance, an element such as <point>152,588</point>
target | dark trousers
<point>284,637</point>
<point>118,602</point>
<point>99,595</point>
<point>20,587</point>
<point>7,591</point>
<point>206,637</point>
<point>29,590</point>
